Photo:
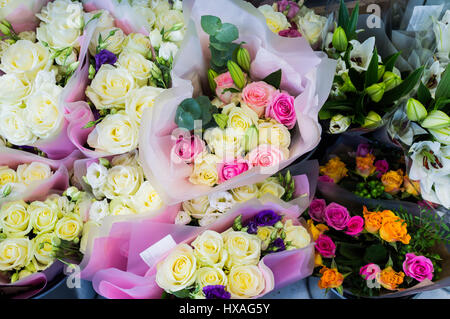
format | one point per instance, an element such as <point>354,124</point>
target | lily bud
<point>278,225</point>
<point>391,80</point>
<point>104,162</point>
<point>72,191</point>
<point>372,119</point>
<point>91,72</point>
<point>340,41</point>
<point>4,29</point>
<point>7,24</point>
<point>243,59</point>
<point>381,69</point>
<point>236,74</point>
<point>72,67</point>
<point>211,76</point>
<point>415,110</point>
<point>14,277</point>
<point>442,135</point>
<point>6,190</point>
<point>348,85</point>
<point>250,138</point>
<point>339,123</point>
<point>376,91</point>
<point>436,120</point>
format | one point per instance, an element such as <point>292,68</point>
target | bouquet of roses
<point>261,116</point>
<point>378,252</point>
<point>128,72</point>
<point>34,234</point>
<point>275,250</point>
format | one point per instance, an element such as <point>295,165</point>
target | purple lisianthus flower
<point>252,228</point>
<point>382,166</point>
<point>104,57</point>
<point>266,218</point>
<point>363,149</point>
<point>216,292</point>
<point>279,244</point>
<point>290,6</point>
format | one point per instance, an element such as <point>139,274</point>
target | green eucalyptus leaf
<point>211,24</point>
<point>274,79</point>
<point>227,33</point>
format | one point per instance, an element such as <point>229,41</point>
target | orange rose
<point>394,229</point>
<point>317,260</point>
<point>392,181</point>
<point>334,169</point>
<point>372,220</point>
<point>410,186</point>
<point>364,165</point>
<point>390,279</point>
<point>316,230</point>
<point>331,278</point>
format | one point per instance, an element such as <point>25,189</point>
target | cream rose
<point>43,250</point>
<point>114,43</point>
<point>15,253</point>
<point>240,117</point>
<point>209,276</point>
<point>227,144</point>
<point>69,227</point>
<point>276,21</point>
<point>110,87</point>
<point>99,210</point>
<point>138,43</point>
<point>243,248</point>
<point>140,99</point>
<point>58,36</point>
<point>7,175</point>
<point>311,26</point>
<point>298,236</point>
<point>169,19</point>
<point>148,15</point>
<point>13,90</point>
<point>208,219</point>
<point>36,171</point>
<point>209,249</point>
<point>62,13</point>
<point>25,59</point>
<point>147,199</point>
<point>245,281</point>
<point>137,65</point>
<point>127,159</point>
<point>205,170</point>
<point>197,207</point>
<point>122,181</point>
<point>15,219</point>
<point>43,217</point>
<point>271,186</point>
<point>13,127</point>
<point>105,21</point>
<point>178,270</point>
<point>245,193</point>
<point>122,205</point>
<point>182,218</point>
<point>96,175</point>
<point>116,134</point>
<point>273,133</point>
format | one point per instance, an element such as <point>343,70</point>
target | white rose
<point>178,270</point>
<point>15,219</point>
<point>43,250</point>
<point>169,19</point>
<point>311,26</point>
<point>69,227</point>
<point>7,175</point>
<point>129,159</point>
<point>13,90</point>
<point>148,15</point>
<point>63,12</point>
<point>182,218</point>
<point>271,186</point>
<point>96,175</point>
<point>36,171</point>
<point>15,253</point>
<point>147,199</point>
<point>13,127</point>
<point>138,43</point>
<point>298,236</point>
<point>43,217</point>
<point>209,249</point>
<point>58,36</point>
<point>25,59</point>
<point>115,134</point>
<point>140,99</point>
<point>276,21</point>
<point>243,248</point>
<point>160,6</point>
<point>28,35</point>
<point>113,38</point>
<point>273,133</point>
<point>221,201</point>
<point>211,276</point>
<point>137,65</point>
<point>122,181</point>
<point>99,210</point>
<point>240,117</point>
<point>167,50</point>
<point>105,21</point>
<point>197,207</point>
<point>110,87</point>
<point>228,144</point>
<point>122,205</point>
<point>155,38</point>
<point>245,193</point>
<point>245,281</point>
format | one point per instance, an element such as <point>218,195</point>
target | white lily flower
<point>442,135</point>
<point>442,32</point>
<point>432,76</point>
<point>361,54</point>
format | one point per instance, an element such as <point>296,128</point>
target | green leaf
<point>423,94</point>
<point>441,103</point>
<point>227,33</point>
<point>221,120</point>
<point>187,112</point>
<point>274,79</point>
<point>324,114</point>
<point>183,294</point>
<point>351,27</point>
<point>340,290</point>
<point>443,88</point>
<point>402,89</point>
<point>357,79</point>
<point>359,110</point>
<point>375,254</point>
<point>210,24</point>
<point>343,17</point>
<point>372,71</point>
<point>389,63</point>
<point>351,251</point>
<point>207,109</point>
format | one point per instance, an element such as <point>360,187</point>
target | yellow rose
<point>43,217</point>
<point>25,59</point>
<point>243,248</point>
<point>140,99</point>
<point>137,65</point>
<point>15,219</point>
<point>209,249</point>
<point>15,253</point>
<point>197,207</point>
<point>43,250</point>
<point>211,276</point>
<point>122,180</point>
<point>245,281</point>
<point>240,117</point>
<point>147,199</point>
<point>298,236</point>
<point>36,171</point>
<point>69,227</point>
<point>334,169</point>
<point>122,206</point>
<point>178,270</point>
<point>411,187</point>
<point>273,133</point>
<point>392,181</point>
<point>114,43</point>
<point>205,170</point>
<point>7,175</point>
<point>110,87</point>
<point>245,193</point>
<point>271,186</point>
<point>137,42</point>
<point>276,21</point>
<point>228,144</point>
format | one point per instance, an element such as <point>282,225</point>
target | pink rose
<point>317,210</point>
<point>231,169</point>
<point>187,147</point>
<point>325,246</point>
<point>369,271</point>
<point>336,216</point>
<point>355,225</point>
<point>258,95</point>
<point>282,109</point>
<point>325,179</point>
<point>224,81</point>
<point>418,267</point>
<point>266,155</point>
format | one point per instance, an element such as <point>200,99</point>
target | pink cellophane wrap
<point>306,75</point>
<point>22,14</point>
<point>117,270</point>
<point>37,190</point>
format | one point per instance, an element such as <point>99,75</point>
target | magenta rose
<point>418,267</point>
<point>282,109</point>
<point>369,271</point>
<point>187,147</point>
<point>336,216</point>
<point>258,95</point>
<point>325,246</point>
<point>363,149</point>
<point>290,33</point>
<point>317,210</point>
<point>381,166</point>
<point>224,81</point>
<point>289,8</point>
<point>325,179</point>
<point>266,155</point>
<point>231,169</point>
<point>355,225</point>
